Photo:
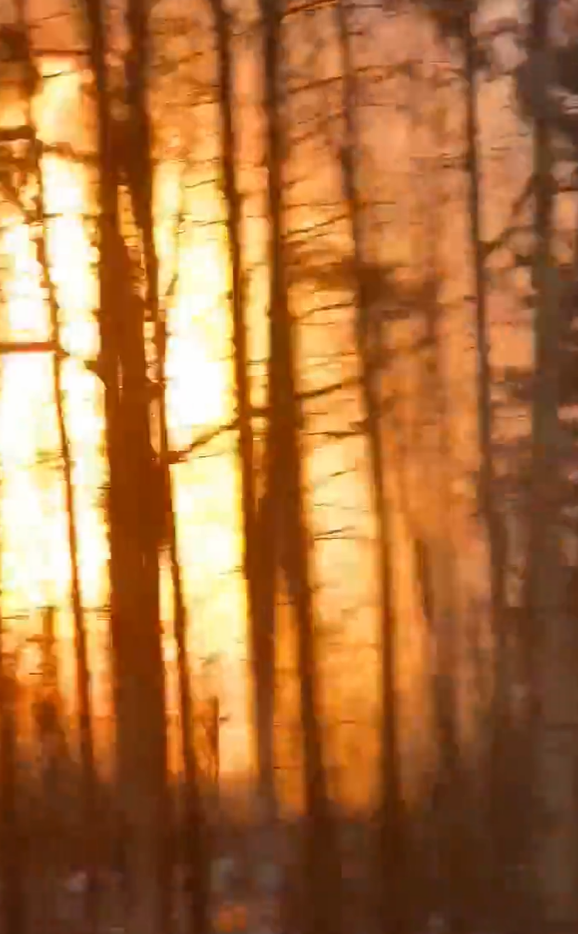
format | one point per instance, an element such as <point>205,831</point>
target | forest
<point>269,268</point>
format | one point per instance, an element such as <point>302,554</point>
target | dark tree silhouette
<point>139,172</point>
<point>12,902</point>
<point>134,491</point>
<point>553,639</point>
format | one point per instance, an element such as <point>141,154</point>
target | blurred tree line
<point>420,241</point>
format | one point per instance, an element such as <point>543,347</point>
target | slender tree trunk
<point>196,849</point>
<point>290,540</point>
<point>258,566</point>
<point>438,568</point>
<point>460,859</point>
<point>135,512</point>
<point>491,513</point>
<point>394,912</point>
<point>85,729</point>
<point>493,521</point>
<point>554,637</point>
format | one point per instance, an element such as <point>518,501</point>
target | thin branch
<point>10,347</point>
<point>492,246</point>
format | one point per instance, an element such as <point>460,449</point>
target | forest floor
<point>57,907</point>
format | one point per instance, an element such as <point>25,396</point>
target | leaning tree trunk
<point>394,911</point>
<point>554,637</point>
<point>135,513</point>
<point>290,539</point>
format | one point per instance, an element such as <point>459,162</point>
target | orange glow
<point>36,559</point>
<point>199,395</point>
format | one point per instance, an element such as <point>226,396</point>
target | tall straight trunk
<point>141,181</point>
<point>437,568</point>
<point>134,492</point>
<point>83,686</point>
<point>257,563</point>
<point>491,513</point>
<point>460,863</point>
<point>495,530</point>
<point>52,747</point>
<point>290,540</point>
<point>196,842</point>
<point>554,637</point>
<point>394,911</point>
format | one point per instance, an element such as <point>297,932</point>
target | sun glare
<point>197,377</point>
<point>35,563</point>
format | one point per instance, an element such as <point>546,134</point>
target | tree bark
<point>553,635</point>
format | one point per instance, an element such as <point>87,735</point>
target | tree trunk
<point>85,730</point>
<point>258,566</point>
<point>135,512</point>
<point>12,911</point>
<point>553,635</point>
<point>439,570</point>
<point>140,180</point>
<point>29,78</point>
<point>394,909</point>
<point>495,530</point>
<point>196,842</point>
<point>290,539</point>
